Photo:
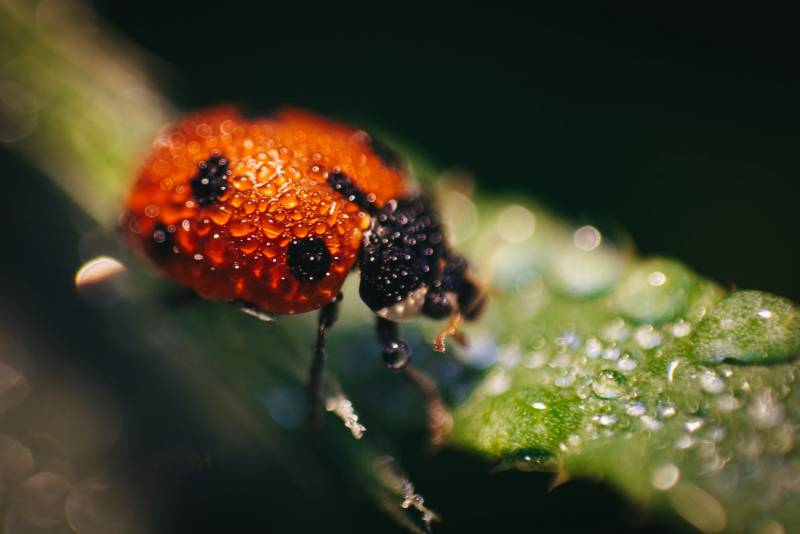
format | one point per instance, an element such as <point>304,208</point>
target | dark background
<point>684,131</point>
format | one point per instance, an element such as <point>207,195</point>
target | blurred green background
<point>682,131</point>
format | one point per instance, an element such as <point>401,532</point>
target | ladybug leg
<point>397,356</point>
<point>327,316</point>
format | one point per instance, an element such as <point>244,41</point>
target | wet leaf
<point>680,395</point>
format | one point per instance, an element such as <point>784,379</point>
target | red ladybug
<point>273,214</point>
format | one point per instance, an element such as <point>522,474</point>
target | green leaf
<point>662,384</point>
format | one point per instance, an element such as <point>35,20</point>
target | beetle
<point>273,213</point>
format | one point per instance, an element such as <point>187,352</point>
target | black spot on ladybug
<point>309,258</point>
<point>342,184</point>
<point>162,240</point>
<point>401,252</point>
<point>211,181</point>
<point>385,153</point>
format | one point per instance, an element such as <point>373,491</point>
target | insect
<point>272,214</point>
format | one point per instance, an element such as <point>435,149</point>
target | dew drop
<point>587,238</point>
<point>681,328</point>
<point>684,441</point>
<point>635,409</point>
<point>647,337</point>
<point>727,403</point>
<point>498,382</point>
<point>711,382</point>
<point>593,347</point>
<point>665,408</point>
<point>608,384</point>
<point>272,230</point>
<point>651,423</point>
<point>612,353</point>
<point>748,327</point>
<point>101,280</point>
<point>655,291</point>
<point>535,360</point>
<point>241,228</point>
<point>665,477</point>
<point>565,380</point>
<point>569,339</point>
<point>693,424</point>
<point>516,224</point>
<point>671,370</point>
<point>607,420</point>
<point>627,363</point>
<point>765,410</point>
<point>616,331</point>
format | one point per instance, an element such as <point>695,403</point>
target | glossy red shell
<point>235,247</point>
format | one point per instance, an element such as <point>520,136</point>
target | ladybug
<point>272,214</point>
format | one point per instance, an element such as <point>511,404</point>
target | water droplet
<point>655,291</point>
<point>498,382</point>
<point>593,347</point>
<point>765,410</point>
<point>635,409</point>
<point>711,382</point>
<point>607,419</point>
<point>651,423</point>
<point>647,337</point>
<point>684,441</point>
<point>716,434</point>
<point>612,353</point>
<point>665,477</point>
<point>535,360</point>
<point>565,380</point>
<point>616,331</point>
<point>739,329</point>
<point>665,408</point>
<point>569,339</point>
<point>608,384</point>
<point>582,267</point>
<point>627,363</point>
<point>516,224</point>
<point>693,424</point>
<point>681,328</point>
<point>671,370</point>
<point>727,403</point>
<point>101,280</point>
<point>587,238</point>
